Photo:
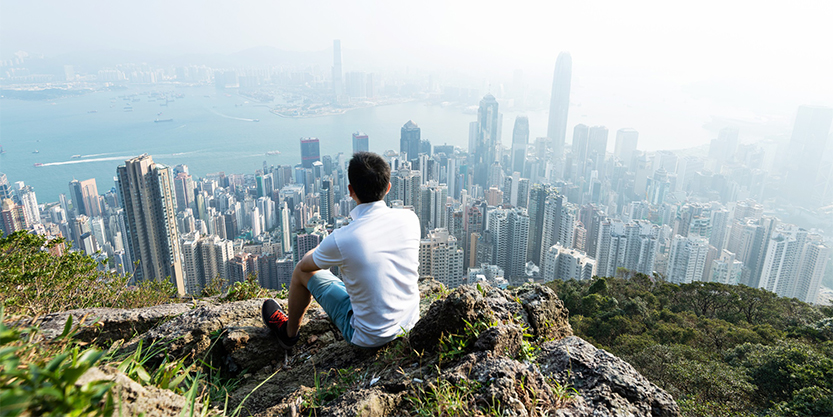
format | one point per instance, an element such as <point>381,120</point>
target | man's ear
<point>388,190</point>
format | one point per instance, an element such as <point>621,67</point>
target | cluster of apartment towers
<point>535,211</point>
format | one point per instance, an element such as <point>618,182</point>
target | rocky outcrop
<point>106,325</point>
<point>134,399</point>
<point>509,352</point>
<point>605,384</point>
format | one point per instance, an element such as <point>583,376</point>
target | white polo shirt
<point>378,256</point>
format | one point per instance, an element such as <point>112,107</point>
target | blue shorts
<point>330,293</point>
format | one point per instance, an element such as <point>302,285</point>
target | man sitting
<point>377,298</point>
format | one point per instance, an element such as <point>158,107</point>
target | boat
<point>273,153</point>
<point>255,120</point>
<point>128,108</point>
<point>36,151</point>
<point>93,111</point>
<point>163,120</point>
<point>38,164</point>
<point>76,156</point>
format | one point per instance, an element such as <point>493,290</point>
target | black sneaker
<point>276,320</point>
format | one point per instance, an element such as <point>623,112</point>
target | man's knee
<point>301,277</point>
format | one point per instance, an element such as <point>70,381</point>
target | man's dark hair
<point>369,175</point>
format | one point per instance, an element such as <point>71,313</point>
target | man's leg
<point>299,298</point>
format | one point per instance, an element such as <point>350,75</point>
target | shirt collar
<point>364,208</point>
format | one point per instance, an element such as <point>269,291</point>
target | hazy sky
<point>758,53</point>
<point>761,39</point>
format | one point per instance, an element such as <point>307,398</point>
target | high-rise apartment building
<point>509,229</point>
<point>409,140</point>
<point>520,140</point>
<point>6,188</point>
<point>687,259</point>
<point>184,187</point>
<point>309,152</point>
<point>360,142</point>
<point>727,269</point>
<point>432,211</point>
<point>538,196</point>
<point>631,245</point>
<point>558,223</point>
<point>560,103</point>
<point>13,216</point>
<point>149,204</point>
<point>440,258</point>
<point>29,201</point>
<point>812,264</point>
<point>561,262</point>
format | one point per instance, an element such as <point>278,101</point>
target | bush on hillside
<point>34,280</point>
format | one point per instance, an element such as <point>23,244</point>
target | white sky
<point>759,53</point>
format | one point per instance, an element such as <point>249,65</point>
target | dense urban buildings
<point>568,205</point>
<point>148,199</point>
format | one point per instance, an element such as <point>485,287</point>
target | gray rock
<point>110,324</point>
<point>133,399</point>
<point>364,403</point>
<point>502,340</point>
<point>545,312</point>
<point>608,386</point>
<point>447,316</point>
<point>513,388</point>
<point>192,334</point>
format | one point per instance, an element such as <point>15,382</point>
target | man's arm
<point>307,264</point>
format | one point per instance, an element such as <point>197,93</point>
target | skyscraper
<point>84,196</point>
<point>409,140</point>
<point>360,142</point>
<point>520,140</point>
<point>597,146</point>
<point>338,83</point>
<point>309,151</point>
<point>560,103</point>
<point>626,141</point>
<point>486,146</point>
<point>150,208</point>
<point>5,187</point>
<point>808,143</point>
<point>538,196</point>
<point>184,187</point>
<point>509,229</point>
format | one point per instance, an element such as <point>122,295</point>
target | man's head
<point>369,176</point>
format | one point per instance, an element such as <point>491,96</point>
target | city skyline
<point>576,193</point>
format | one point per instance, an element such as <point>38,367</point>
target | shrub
<point>34,281</point>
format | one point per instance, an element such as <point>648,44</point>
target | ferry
<point>38,164</point>
<point>273,153</point>
<point>163,120</point>
<point>76,156</point>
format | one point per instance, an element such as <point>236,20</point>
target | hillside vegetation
<point>718,349</point>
